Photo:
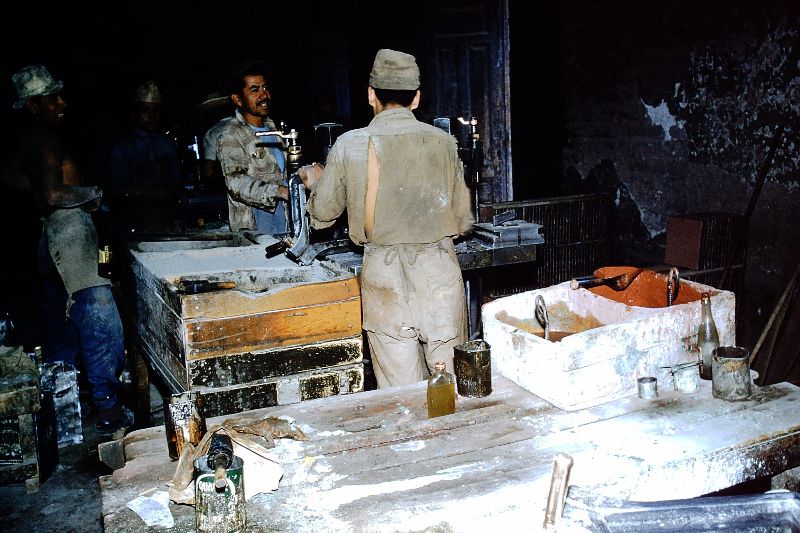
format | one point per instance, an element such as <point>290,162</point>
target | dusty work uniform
<point>412,292</point>
<point>254,169</point>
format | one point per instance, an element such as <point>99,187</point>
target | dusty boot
<point>113,419</point>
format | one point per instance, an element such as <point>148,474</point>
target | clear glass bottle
<point>441,392</point>
<point>707,336</point>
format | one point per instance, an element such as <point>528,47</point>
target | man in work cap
<point>148,92</point>
<point>81,315</point>
<point>34,80</point>
<point>145,182</point>
<point>402,183</point>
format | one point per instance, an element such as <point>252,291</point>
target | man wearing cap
<point>82,316</point>
<point>402,183</point>
<point>254,167</point>
<point>145,180</point>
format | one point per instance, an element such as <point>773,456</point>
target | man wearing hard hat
<point>82,317</point>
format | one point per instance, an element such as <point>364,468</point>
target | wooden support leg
<point>140,403</point>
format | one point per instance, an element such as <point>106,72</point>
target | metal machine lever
<point>475,161</point>
<point>541,316</point>
<point>328,127</point>
<point>291,135</point>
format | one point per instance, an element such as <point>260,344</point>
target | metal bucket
<point>473,367</point>
<point>730,373</point>
<point>184,421</point>
<point>219,511</point>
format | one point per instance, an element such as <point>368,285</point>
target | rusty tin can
<point>184,421</point>
<point>730,373</point>
<point>473,366</point>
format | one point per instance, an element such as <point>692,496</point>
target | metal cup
<point>473,366</point>
<point>647,387</point>
<point>730,373</point>
<point>686,377</point>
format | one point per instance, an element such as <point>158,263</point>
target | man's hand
<point>94,197</point>
<point>310,174</point>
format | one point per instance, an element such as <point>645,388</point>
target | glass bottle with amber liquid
<point>441,392</point>
<point>707,336</point>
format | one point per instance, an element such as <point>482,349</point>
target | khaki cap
<point>394,70</point>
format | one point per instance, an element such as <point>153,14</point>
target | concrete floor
<point>69,500</point>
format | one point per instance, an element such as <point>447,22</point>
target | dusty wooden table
<point>374,462</point>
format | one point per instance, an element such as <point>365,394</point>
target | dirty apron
<point>72,243</point>
<point>414,309</point>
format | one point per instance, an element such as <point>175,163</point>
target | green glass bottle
<point>707,336</point>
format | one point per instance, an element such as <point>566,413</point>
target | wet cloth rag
<point>72,242</point>
<point>251,440</point>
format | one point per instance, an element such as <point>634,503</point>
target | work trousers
<point>414,309</point>
<point>91,334</point>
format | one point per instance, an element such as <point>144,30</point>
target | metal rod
<point>562,464</point>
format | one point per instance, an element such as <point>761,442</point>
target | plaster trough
<point>600,346</point>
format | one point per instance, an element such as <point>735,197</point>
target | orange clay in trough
<point>648,288</point>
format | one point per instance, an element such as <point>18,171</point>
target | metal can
<point>730,374</point>
<point>215,510</point>
<point>473,367</point>
<point>647,387</point>
<point>184,421</point>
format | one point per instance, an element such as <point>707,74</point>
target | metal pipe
<point>559,483</point>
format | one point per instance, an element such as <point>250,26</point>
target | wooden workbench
<point>374,462</point>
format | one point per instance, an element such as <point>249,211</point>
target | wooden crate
<point>575,230</point>
<point>21,423</point>
<point>702,241</point>
<point>283,324</point>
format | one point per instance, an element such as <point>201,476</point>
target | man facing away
<point>402,183</point>
<point>253,166</point>
<point>82,316</point>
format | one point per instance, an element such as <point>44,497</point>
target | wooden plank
<point>228,370</point>
<point>147,281</point>
<point>156,319</point>
<point>22,400</point>
<point>169,369</point>
<point>223,400</point>
<point>488,466</point>
<point>282,390</point>
<point>285,327</point>
<point>18,452</point>
<point>229,303</point>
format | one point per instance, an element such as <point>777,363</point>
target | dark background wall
<point>670,108</point>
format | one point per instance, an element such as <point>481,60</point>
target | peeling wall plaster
<point>660,116</point>
<point>735,96</point>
